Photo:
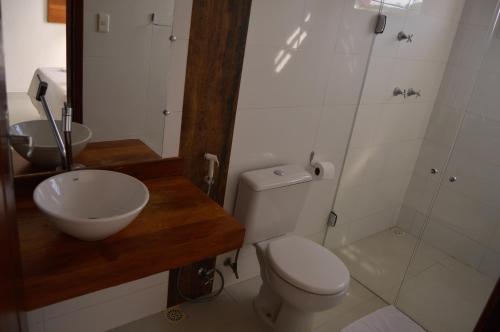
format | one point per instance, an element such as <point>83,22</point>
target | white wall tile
<point>172,135</point>
<point>182,19</point>
<point>114,313</point>
<point>177,76</point>
<point>317,208</point>
<point>464,215</point>
<point>130,28</point>
<point>447,9</point>
<point>104,309</point>
<point>293,77</point>
<point>134,72</point>
<point>273,22</point>
<point>323,21</point>
<point>495,240</point>
<point>333,134</point>
<point>105,295</point>
<point>114,95</point>
<point>432,40</point>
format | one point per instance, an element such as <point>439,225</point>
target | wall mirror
<point>119,64</point>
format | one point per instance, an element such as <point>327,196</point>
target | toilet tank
<point>270,200</point>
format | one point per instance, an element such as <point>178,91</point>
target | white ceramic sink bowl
<point>91,204</point>
<point>44,152</point>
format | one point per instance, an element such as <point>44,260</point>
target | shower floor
<point>434,280</point>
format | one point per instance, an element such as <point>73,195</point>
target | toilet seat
<point>307,265</point>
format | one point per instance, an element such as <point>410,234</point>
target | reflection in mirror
<point>126,57</point>
<point>37,48</point>
<point>133,68</point>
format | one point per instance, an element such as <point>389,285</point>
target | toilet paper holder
<point>311,158</point>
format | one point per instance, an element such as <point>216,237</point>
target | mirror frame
<point>74,57</point>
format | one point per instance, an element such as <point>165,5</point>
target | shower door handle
<point>434,171</point>
<point>453,179</point>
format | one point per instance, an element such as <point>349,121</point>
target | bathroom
<point>370,124</point>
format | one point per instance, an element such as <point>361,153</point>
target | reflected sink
<point>91,204</point>
<point>44,152</point>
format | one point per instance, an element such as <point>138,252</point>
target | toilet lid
<point>308,266</point>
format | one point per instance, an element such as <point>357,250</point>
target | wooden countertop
<point>179,226</point>
<point>96,155</point>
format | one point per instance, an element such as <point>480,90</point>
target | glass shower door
<point>374,235</point>
<point>457,261</point>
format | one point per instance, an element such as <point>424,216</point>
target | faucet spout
<point>40,96</point>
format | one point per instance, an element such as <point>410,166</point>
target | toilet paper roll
<point>323,170</point>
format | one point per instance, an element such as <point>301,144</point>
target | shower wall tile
<point>490,264</point>
<point>495,240</point>
<point>470,46</point>
<point>443,125</point>
<point>433,38</point>
<point>356,28</point>
<point>446,9</point>
<point>346,74</point>
<point>458,246</point>
<point>431,156</point>
<point>406,218</point>
<point>479,12</point>
<point>457,87</point>
<point>464,215</point>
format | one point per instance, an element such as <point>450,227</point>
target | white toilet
<point>300,277</point>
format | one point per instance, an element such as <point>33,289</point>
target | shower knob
<point>398,92</point>
<point>403,36</point>
<point>453,179</point>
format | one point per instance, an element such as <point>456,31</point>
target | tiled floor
<point>434,280</point>
<point>233,311</point>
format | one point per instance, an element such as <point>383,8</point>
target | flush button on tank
<point>279,172</point>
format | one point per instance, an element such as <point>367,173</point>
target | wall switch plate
<point>103,23</point>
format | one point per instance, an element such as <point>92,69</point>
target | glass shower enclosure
<point>417,204</point>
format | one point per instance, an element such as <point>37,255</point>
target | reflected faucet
<point>62,145</point>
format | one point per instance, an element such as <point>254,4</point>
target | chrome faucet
<point>62,145</point>
<point>413,92</point>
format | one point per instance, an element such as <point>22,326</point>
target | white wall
<point>30,41</point>
<point>134,72</point>
<point>465,218</point>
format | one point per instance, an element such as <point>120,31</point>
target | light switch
<point>103,23</point>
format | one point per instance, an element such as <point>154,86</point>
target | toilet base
<point>279,315</point>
